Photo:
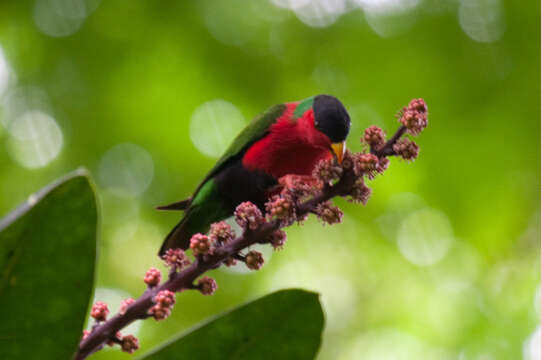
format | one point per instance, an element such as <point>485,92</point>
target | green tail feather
<point>206,208</point>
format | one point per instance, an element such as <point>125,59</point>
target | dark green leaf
<point>283,325</point>
<point>47,257</point>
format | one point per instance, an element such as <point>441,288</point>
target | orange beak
<point>339,149</point>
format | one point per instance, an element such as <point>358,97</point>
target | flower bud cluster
<point>328,213</point>
<point>383,164</point>
<point>415,116</point>
<point>299,187</point>
<point>124,304</point>
<point>201,245</point>
<point>207,285</point>
<point>366,164</point>
<point>406,149</point>
<point>99,311</point>
<point>221,233</point>
<point>278,239</point>
<point>153,277</point>
<point>176,259</point>
<point>248,216</point>
<point>164,302</point>
<point>374,136</point>
<point>254,260</point>
<point>230,261</point>
<point>327,171</point>
<point>360,192</point>
<point>281,208</point>
<point>129,344</point>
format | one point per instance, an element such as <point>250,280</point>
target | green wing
<point>255,130</point>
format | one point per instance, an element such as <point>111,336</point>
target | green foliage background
<point>136,71</point>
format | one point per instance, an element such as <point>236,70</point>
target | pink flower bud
<point>327,171</point>
<point>383,164</point>
<point>165,298</point>
<point>153,277</point>
<point>176,258</point>
<point>415,116</point>
<point>299,186</point>
<point>328,213</point>
<point>99,311</point>
<point>407,149</point>
<point>207,285</point>
<point>247,215</point>
<point>348,162</point>
<point>278,239</point>
<point>230,261</point>
<point>360,192</point>
<point>129,344</point>
<point>86,334</point>
<point>281,208</point>
<point>200,244</point>
<point>124,304</point>
<point>367,164</point>
<point>221,233</point>
<point>159,312</point>
<point>418,105</point>
<point>374,136</point>
<point>254,260</point>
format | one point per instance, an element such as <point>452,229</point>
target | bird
<point>288,139</point>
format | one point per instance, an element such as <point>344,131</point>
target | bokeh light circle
<point>36,139</point>
<point>59,18</point>
<point>4,73</point>
<point>425,236</point>
<point>126,170</point>
<point>290,4</point>
<point>213,126</point>
<point>321,13</point>
<point>482,20</point>
<point>532,346</point>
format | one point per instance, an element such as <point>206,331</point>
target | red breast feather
<point>293,146</point>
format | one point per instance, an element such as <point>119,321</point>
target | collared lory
<point>287,139</point>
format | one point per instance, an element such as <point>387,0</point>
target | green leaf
<point>284,325</point>
<point>47,257</point>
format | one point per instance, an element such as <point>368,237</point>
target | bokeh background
<point>445,260</point>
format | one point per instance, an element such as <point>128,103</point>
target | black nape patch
<point>331,117</point>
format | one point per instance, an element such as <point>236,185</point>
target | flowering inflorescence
<point>207,285</point>
<point>99,311</point>
<point>300,195</point>
<point>327,171</point>
<point>278,239</point>
<point>374,137</point>
<point>248,216</point>
<point>201,245</point>
<point>124,304</point>
<point>254,260</point>
<point>176,259</point>
<point>281,208</point>
<point>153,277</point>
<point>328,213</point>
<point>163,303</point>
<point>406,149</point>
<point>415,116</point>
<point>221,233</point>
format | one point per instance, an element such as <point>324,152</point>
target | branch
<point>296,202</point>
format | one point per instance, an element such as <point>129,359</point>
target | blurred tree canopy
<point>443,262</point>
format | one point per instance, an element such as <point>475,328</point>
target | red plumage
<point>293,146</point>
